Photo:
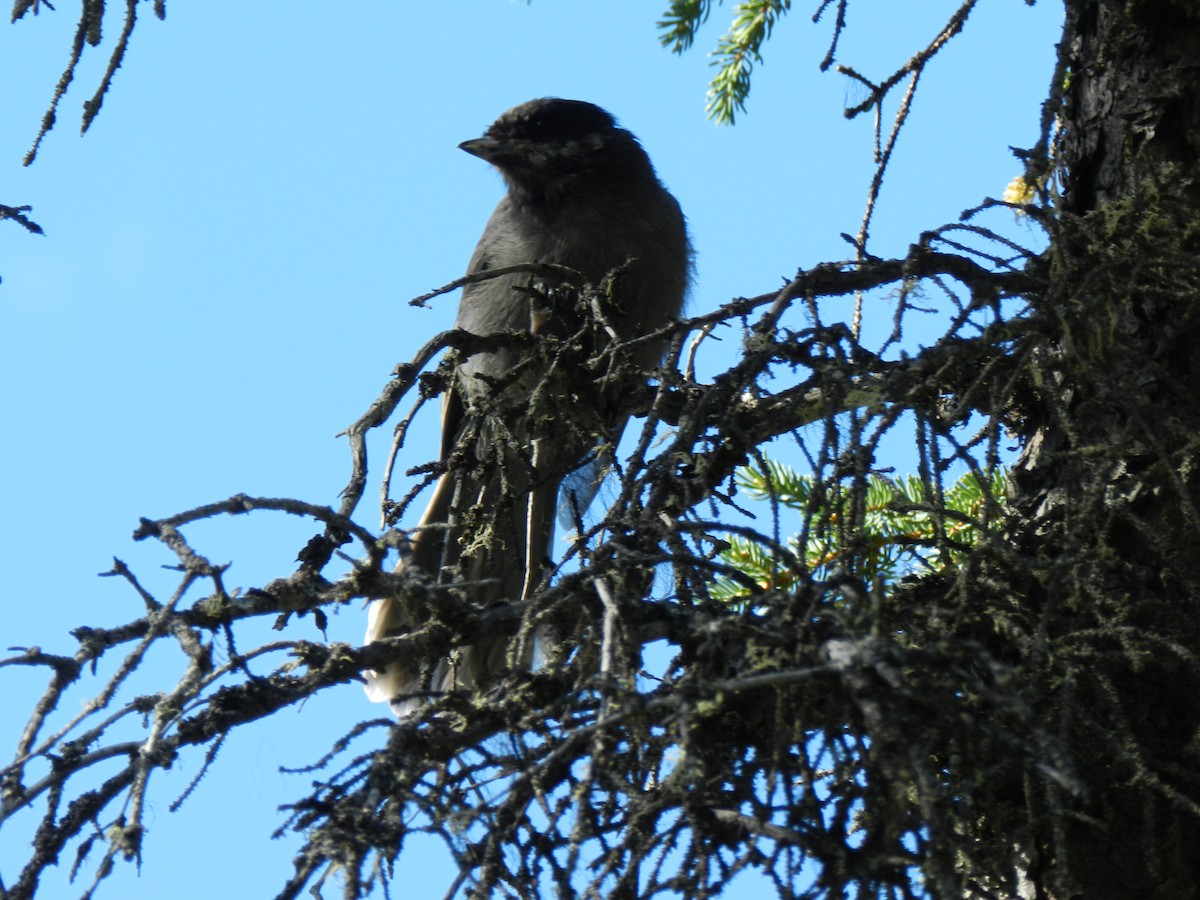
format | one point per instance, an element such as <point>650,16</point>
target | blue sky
<point>229,252</point>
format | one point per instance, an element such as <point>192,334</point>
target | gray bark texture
<point>1109,483</point>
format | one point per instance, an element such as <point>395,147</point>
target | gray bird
<point>518,419</point>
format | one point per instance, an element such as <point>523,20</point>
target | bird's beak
<point>487,148</point>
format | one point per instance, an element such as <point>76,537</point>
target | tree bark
<point>1109,483</point>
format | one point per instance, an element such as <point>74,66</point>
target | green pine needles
<point>896,527</point>
<point>736,53</point>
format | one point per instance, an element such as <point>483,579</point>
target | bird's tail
<point>488,537</point>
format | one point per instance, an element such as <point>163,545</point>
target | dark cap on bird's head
<point>545,146</point>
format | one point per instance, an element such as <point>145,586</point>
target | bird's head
<point>547,149</point>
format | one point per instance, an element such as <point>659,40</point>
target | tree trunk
<point>1109,484</point>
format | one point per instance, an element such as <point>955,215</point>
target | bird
<point>517,418</point>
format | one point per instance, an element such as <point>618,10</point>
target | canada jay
<point>522,415</point>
